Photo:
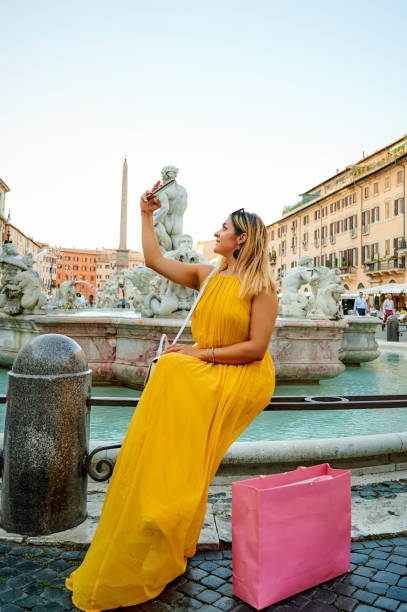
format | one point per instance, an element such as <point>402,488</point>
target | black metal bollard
<point>45,438</point>
<point>392,325</point>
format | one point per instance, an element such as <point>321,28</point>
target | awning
<point>388,288</point>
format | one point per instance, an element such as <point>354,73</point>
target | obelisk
<point>122,256</point>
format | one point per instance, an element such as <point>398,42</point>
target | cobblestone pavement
<point>32,578</point>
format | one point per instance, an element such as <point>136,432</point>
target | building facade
<point>206,249</point>
<point>354,221</point>
<point>79,265</point>
<point>3,190</point>
<point>91,268</point>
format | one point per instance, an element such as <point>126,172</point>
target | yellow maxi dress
<point>189,414</point>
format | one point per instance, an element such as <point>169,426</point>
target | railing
<point>103,469</point>
<point>347,269</point>
<point>385,266</point>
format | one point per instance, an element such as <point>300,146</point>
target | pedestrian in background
<point>361,305</point>
<point>388,308</point>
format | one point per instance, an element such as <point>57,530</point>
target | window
<point>374,250</point>
<point>316,260</point>
<point>316,237</point>
<point>305,240</point>
<point>324,211</point>
<point>294,226</point>
<point>375,188</point>
<point>366,192</point>
<point>317,214</point>
<point>84,268</point>
<point>387,209</point>
<point>332,232</point>
<point>75,267</point>
<point>365,222</point>
<point>324,234</point>
<point>283,247</point>
<point>387,182</point>
<point>350,257</point>
<point>279,232</point>
<point>399,178</point>
<point>365,253</point>
<point>107,266</point>
<point>374,214</point>
<point>399,206</point>
<point>271,236</point>
<point>387,247</point>
<point>68,258</point>
<point>332,207</point>
<point>99,266</point>
<point>306,220</point>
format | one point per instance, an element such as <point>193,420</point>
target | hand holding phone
<point>160,189</point>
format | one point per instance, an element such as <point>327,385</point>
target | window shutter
<point>395,246</point>
<point>395,207</point>
<point>401,205</point>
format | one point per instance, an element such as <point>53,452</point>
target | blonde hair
<point>253,266</point>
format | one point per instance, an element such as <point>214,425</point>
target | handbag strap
<point>198,297</point>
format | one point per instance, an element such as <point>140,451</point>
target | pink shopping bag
<point>290,532</point>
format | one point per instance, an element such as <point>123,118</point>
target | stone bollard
<point>45,438</point>
<point>392,326</point>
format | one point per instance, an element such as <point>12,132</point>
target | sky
<point>255,102</point>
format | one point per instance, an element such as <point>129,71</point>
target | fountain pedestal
<point>306,351</point>
<point>359,340</point>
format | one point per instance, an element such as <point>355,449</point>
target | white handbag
<point>163,345</point>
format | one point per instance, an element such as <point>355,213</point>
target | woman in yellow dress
<point>198,400</point>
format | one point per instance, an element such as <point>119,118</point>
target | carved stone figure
<point>20,285</point>
<point>167,298</point>
<point>109,295</point>
<point>327,289</point>
<point>29,281</point>
<point>168,220</point>
<point>293,303</point>
<point>65,298</point>
<point>149,292</point>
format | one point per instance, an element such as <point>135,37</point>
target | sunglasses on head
<point>241,211</point>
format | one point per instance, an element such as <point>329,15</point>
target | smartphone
<point>161,189</point>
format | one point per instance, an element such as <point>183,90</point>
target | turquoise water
<point>385,375</point>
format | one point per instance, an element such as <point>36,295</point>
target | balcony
<point>381,269</point>
<point>347,271</point>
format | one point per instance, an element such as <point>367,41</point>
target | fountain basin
<point>305,351</point>
<point>359,340</point>
<point>119,344</point>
